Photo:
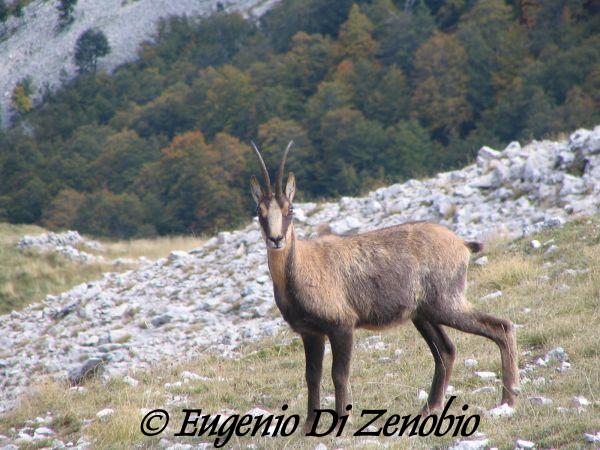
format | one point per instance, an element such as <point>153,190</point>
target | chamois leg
<point>341,348</point>
<point>502,332</point>
<point>444,353</point>
<point>314,347</point>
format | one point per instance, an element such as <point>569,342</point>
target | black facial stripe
<point>285,222</point>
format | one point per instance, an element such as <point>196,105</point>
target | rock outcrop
<point>32,47</point>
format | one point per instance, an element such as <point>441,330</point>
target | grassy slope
<point>270,373</point>
<point>27,277</point>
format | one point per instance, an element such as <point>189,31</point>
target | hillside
<point>32,268</point>
<point>373,92</point>
<point>31,46</point>
<point>207,306</point>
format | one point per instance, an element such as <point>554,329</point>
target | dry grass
<point>270,373</point>
<point>150,248</point>
<point>27,277</point>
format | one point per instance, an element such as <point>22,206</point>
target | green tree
<point>311,16</point>
<point>224,100</point>
<point>348,139</point>
<point>411,151</point>
<point>18,9</point>
<point>355,39</point>
<point>103,213</point>
<point>3,11</point>
<point>90,46</point>
<point>307,62</point>
<point>168,114</point>
<point>400,32</point>
<point>330,96</point>
<point>122,156</point>
<point>27,202</point>
<point>65,12</point>
<point>439,100</point>
<point>273,137</point>
<point>493,42</point>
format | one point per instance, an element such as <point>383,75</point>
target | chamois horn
<point>279,181</point>
<point>263,168</point>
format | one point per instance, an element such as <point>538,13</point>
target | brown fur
<point>417,271</point>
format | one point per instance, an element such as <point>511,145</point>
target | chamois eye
<point>291,211</point>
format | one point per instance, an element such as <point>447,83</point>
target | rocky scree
<point>220,295</point>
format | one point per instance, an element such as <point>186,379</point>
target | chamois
<point>331,285</point>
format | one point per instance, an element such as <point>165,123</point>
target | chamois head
<point>274,210</point>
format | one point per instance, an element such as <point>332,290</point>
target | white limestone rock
<point>491,296</point>
<point>581,402</point>
<point>487,154</point>
<point>105,414</point>
<point>484,375</point>
<point>501,411</point>
<point>470,362</point>
<point>521,443</point>
<point>483,261</point>
<point>220,295</point>
<point>473,444</point>
<point>592,438</point>
<point>540,401</point>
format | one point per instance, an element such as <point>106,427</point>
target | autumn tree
<point>578,110</point>
<point>63,211</point>
<point>21,96</point>
<point>439,100</point>
<point>330,95</point>
<point>355,40</point>
<point>193,187</point>
<point>103,213</point>
<point>494,42</point>
<point>224,100</point>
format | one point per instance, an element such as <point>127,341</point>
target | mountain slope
<point>551,295</point>
<point>219,295</point>
<point>35,49</point>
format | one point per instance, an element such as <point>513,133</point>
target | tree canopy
<point>371,92</point>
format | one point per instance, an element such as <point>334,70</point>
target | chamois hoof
<point>308,425</point>
<point>429,409</point>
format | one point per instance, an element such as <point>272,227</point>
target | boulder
<point>90,368</point>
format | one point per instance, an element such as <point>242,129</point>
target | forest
<point>372,92</point>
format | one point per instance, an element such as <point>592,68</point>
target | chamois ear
<point>257,192</point>
<point>290,187</point>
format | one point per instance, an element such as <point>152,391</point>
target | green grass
<point>270,373</point>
